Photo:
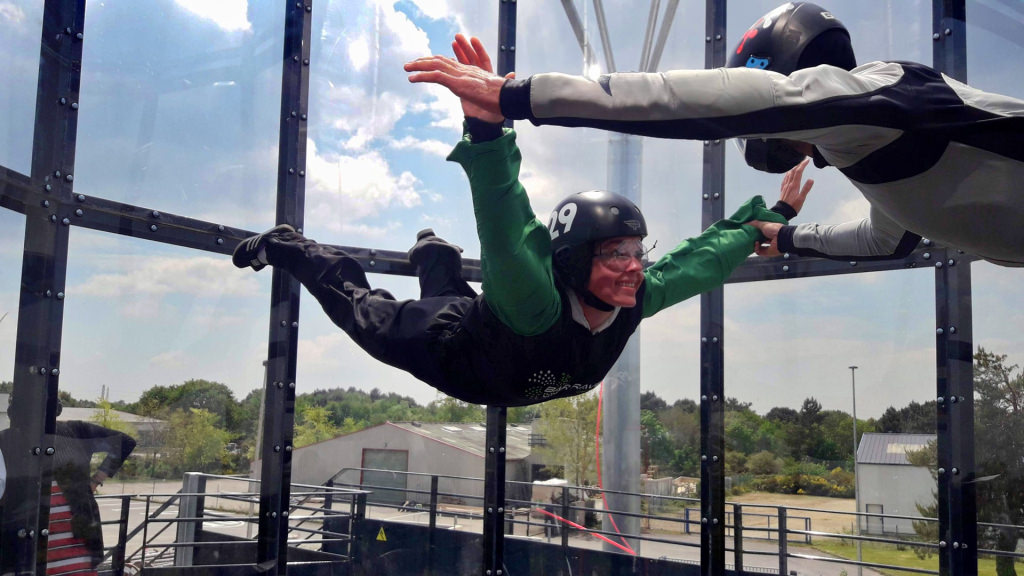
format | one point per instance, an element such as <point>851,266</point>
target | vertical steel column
<point>41,303</point>
<point>958,527</point>
<point>279,410</point>
<point>494,460</point>
<point>712,393</point>
<point>494,492</point>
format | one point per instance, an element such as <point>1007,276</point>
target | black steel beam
<point>494,492</point>
<point>282,349</point>
<point>712,312</point>
<point>958,527</point>
<point>41,300</point>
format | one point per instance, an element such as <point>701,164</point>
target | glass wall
<point>994,30</point>
<point>180,112</point>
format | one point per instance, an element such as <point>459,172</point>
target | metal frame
<point>47,200</point>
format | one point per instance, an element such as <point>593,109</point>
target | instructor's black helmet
<point>579,222</point>
<point>794,36</point>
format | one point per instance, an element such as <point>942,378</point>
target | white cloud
<point>359,53</point>
<point>11,13</point>
<point>157,275</point>
<point>345,189</point>
<point>228,14</point>
<point>434,147</point>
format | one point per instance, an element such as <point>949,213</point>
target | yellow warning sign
<point>381,537</point>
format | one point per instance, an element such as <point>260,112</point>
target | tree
<point>315,427</point>
<point>194,442</point>
<point>448,409</point>
<point>568,425</point>
<point>108,418</point>
<point>656,446</point>
<point>764,463</point>
<point>999,442</point>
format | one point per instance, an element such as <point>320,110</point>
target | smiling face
<point>616,271</point>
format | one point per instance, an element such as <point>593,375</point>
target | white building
<point>889,484</point>
<point>406,454</point>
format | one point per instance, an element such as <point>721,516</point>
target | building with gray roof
<point>889,484</point>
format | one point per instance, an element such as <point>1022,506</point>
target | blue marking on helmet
<point>755,62</point>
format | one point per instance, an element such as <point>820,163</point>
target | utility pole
<point>856,476</point>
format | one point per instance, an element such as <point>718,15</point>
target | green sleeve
<point>705,262</point>
<point>515,247</point>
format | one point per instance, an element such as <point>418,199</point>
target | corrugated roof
<point>87,414</point>
<point>472,437</point>
<point>876,448</point>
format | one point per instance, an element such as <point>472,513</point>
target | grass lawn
<point>886,554</point>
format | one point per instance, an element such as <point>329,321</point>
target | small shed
<point>889,484</point>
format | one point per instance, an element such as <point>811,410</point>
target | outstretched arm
<point>468,76</point>
<point>873,238</point>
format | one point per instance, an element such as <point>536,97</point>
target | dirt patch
<point>825,513</point>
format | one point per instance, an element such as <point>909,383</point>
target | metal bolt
<point>22,533</point>
<point>287,448</point>
<point>490,510</point>
<point>44,532</point>
<point>938,331</point>
<point>277,448</point>
<point>952,329</point>
<point>49,293</point>
<point>54,372</point>
<point>62,101</point>
<point>714,339</point>
<point>948,31</point>
<point>302,173</point>
<point>42,371</point>
<point>956,545</point>
<point>283,323</point>
<point>69,178</point>
<point>714,397</point>
<point>66,221</point>
<point>36,451</point>
<point>706,196</point>
<point>291,170</point>
<point>707,38</point>
<point>48,188</point>
<point>956,471</point>
<point>714,520</point>
<point>491,449</point>
<point>942,471</point>
<point>220,240</point>
<point>79,212</point>
<point>927,242</point>
<point>714,458</point>
<point>940,400</point>
<point>80,197</point>
<point>273,514</point>
<point>291,385</point>
<point>718,36</point>
<point>938,264</point>
<point>926,255</point>
<point>501,508</point>
<point>373,262</point>
<point>704,339</point>
<point>501,450</point>
<point>294,114</point>
<point>951,262</point>
<point>703,457</point>
<point>79,36</point>
<point>57,173</point>
<point>295,324</point>
<point>703,397</point>
<point>303,117</point>
<point>502,47</point>
<point>74,105</point>
<point>953,399</point>
<point>279,384</point>
<point>785,268</point>
<point>49,450</point>
<point>155,213</point>
<point>703,520</point>
<point>305,61</point>
<point>284,514</point>
<point>295,58</point>
<point>309,8</point>
<point>153,228</point>
<point>717,195</point>
<point>853,263</point>
<point>60,295</point>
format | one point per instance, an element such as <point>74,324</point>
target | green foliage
<point>108,418</point>
<point>315,426</point>
<point>568,425</point>
<point>215,398</point>
<point>764,463</point>
<point>194,442</point>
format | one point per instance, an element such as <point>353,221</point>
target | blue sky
<point>179,112</point>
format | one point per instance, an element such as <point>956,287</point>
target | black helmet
<point>582,219</point>
<point>791,37</point>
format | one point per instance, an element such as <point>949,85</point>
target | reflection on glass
<point>180,111</point>
<point>12,234</point>
<point>20,29</point>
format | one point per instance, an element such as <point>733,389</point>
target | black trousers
<point>406,334</point>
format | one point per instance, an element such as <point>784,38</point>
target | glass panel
<point>20,28</point>
<point>12,236</point>
<point>180,110</point>
<point>994,30</point>
<point>173,342</point>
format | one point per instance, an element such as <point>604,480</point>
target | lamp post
<point>856,476</point>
